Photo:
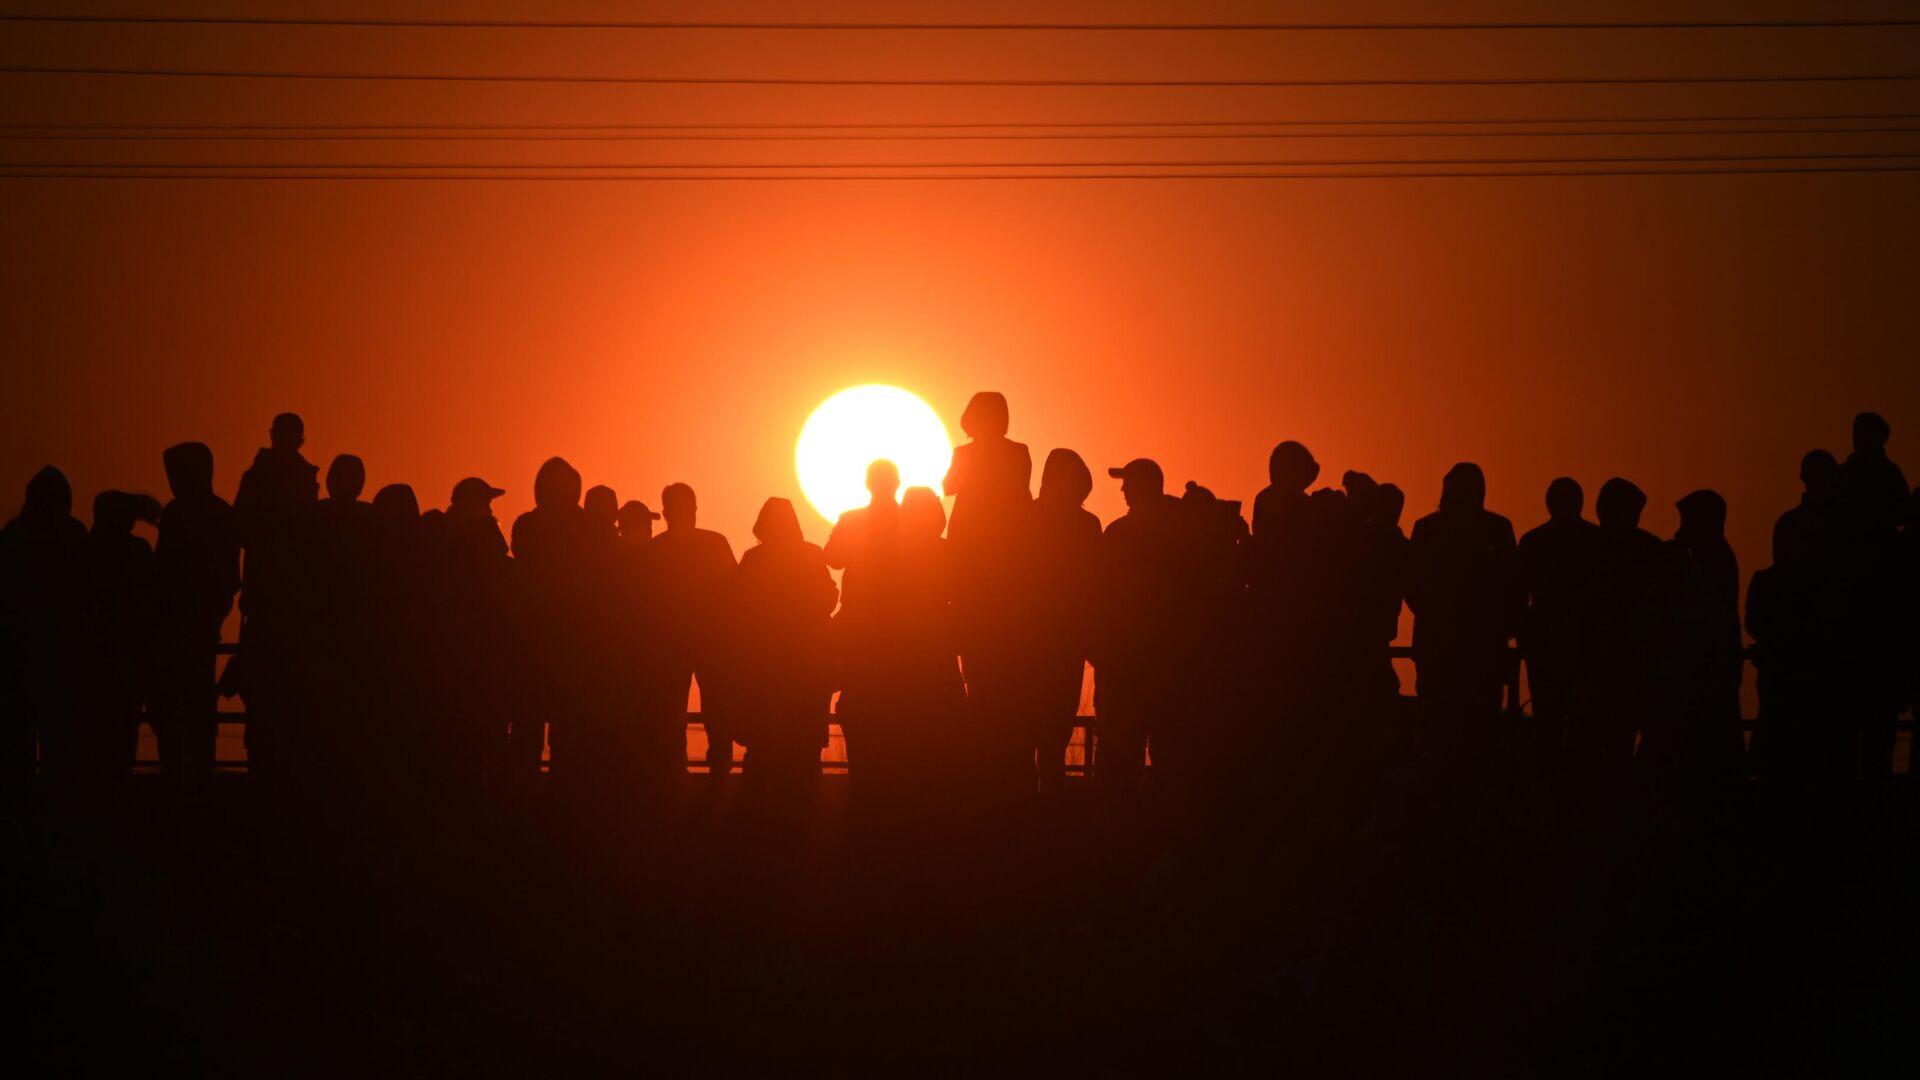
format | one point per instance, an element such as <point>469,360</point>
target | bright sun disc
<point>854,427</point>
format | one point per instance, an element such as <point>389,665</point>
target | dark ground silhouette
<point>467,840</point>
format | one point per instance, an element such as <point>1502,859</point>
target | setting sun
<point>857,425</point>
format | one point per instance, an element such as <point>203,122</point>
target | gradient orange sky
<point>1693,331</point>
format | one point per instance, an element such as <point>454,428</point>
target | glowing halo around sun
<point>857,425</point>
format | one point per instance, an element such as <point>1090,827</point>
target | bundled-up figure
<point>1557,562</point>
<point>1600,743</point>
<point>783,601</point>
<point>197,572</point>
<point>550,544</point>
<point>121,631</point>
<point>1465,599</point>
<point>43,602</point>
<point>1694,735</point>
<point>1799,659</point>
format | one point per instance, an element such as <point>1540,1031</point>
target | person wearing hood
<point>782,604</point>
<point>550,544</point>
<point>197,574</point>
<point>44,587</point>
<point>1694,737</point>
<point>1465,597</point>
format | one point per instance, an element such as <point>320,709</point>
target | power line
<point>1008,124</point>
<point>660,80</point>
<point>841,177</point>
<point>939,137</point>
<point>1069,27</point>
<point>651,166</point>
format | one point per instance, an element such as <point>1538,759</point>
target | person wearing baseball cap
<point>1138,663</point>
<point>473,495</point>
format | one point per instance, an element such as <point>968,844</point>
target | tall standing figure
<point>43,588</point>
<point>550,544</point>
<point>783,599</point>
<point>274,510</point>
<point>197,566</point>
<point>1557,562</point>
<point>1054,617</point>
<point>1465,600</point>
<point>989,481</point>
<point>694,570</point>
<point>1694,738</point>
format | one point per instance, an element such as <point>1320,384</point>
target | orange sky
<point>1682,331</point>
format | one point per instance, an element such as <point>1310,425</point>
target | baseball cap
<point>1140,469</point>
<point>474,489</point>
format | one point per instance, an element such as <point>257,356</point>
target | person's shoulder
<point>1427,524</point>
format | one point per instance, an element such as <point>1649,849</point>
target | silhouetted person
<point>1141,656</point>
<point>1600,745</point>
<point>479,652</point>
<point>122,627</point>
<point>395,749</point>
<point>602,507</point>
<point>1875,492</point>
<point>989,477</point>
<point>635,523</point>
<point>339,679</point>
<point>1052,616</point>
<point>783,599</point>
<point>43,591</point>
<point>1800,662</point>
<point>1288,596</point>
<point>1464,596</point>
<point>550,544</point>
<point>197,574</point>
<point>1871,481</point>
<point>1213,737</point>
<point>694,570</point>
<point>273,511</point>
<point>1556,563</point>
<point>1694,736</point>
<point>1384,562</point>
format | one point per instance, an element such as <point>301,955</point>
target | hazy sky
<point>1684,331</point>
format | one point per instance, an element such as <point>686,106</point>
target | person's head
<point>602,505</point>
<point>1565,499</point>
<point>1389,503</point>
<point>48,495</point>
<point>883,480</point>
<point>473,497</point>
<point>1065,478</point>
<point>1870,432</point>
<point>556,485</point>
<point>679,506</point>
<point>1291,467</point>
<point>778,523</point>
<point>986,416</point>
<point>1141,482</point>
<point>189,468</point>
<point>1703,516</point>
<point>288,432</point>
<point>396,502</point>
<point>115,512</point>
<point>1820,474</point>
<point>1620,504</point>
<point>1464,488</point>
<point>921,514</point>
<point>346,478</point>
<point>636,520</point>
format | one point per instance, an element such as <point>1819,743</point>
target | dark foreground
<point>1363,921</point>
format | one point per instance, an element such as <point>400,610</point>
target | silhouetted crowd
<point>386,650</point>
